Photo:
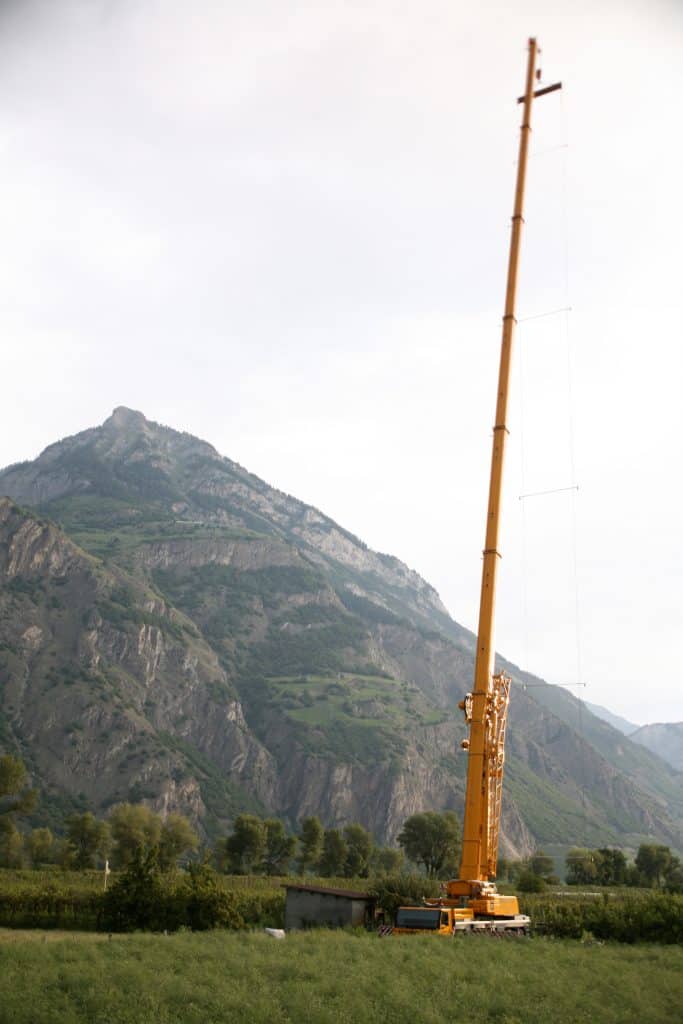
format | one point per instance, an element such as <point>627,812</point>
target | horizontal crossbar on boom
<point>542,92</point>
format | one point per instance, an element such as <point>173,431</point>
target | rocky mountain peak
<point>143,465</point>
<point>127,426</point>
<point>124,420</point>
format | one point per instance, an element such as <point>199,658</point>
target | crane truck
<point>472,902</point>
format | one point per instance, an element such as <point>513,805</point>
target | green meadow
<point>335,977</point>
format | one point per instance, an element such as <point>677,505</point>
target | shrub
<point>204,903</point>
<point>143,900</point>
<point>530,882</point>
<point>137,899</point>
<point>394,891</point>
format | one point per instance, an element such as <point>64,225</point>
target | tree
<point>431,839</point>
<point>310,843</point>
<point>11,846</point>
<point>135,829</point>
<point>541,864</point>
<point>40,846</point>
<point>279,848</point>
<point>64,854</point>
<point>611,867</point>
<point>89,839</point>
<point>176,838</point>
<point>633,876</point>
<point>334,855</point>
<point>529,881</point>
<point>207,903</point>
<point>385,860</point>
<point>137,897</point>
<point>359,843</point>
<point>673,875</point>
<point>582,866</point>
<point>510,870</point>
<point>243,850</point>
<point>221,857</point>
<point>653,860</point>
<point>15,797</point>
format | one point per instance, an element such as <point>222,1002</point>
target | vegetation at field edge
<point>142,898</point>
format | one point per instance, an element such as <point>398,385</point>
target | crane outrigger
<point>472,901</point>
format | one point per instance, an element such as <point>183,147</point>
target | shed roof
<point>348,894</point>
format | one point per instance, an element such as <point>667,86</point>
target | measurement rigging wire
<point>565,312</point>
<point>572,460</point>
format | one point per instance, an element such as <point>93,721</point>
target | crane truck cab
<point>423,919</point>
<point>436,917</point>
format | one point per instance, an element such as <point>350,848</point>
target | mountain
<point>175,630</point>
<point>650,774</point>
<point>622,724</point>
<point>664,739</point>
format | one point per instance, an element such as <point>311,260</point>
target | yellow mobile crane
<point>471,901</point>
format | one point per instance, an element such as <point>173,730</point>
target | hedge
<point>199,899</point>
<point>50,908</point>
<point>656,917</point>
<point>176,905</point>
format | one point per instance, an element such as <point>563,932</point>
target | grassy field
<point>332,977</point>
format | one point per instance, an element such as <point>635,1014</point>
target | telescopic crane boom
<point>471,901</point>
<point>486,707</point>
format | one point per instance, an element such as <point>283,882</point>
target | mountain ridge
<point>617,721</point>
<point>664,739</point>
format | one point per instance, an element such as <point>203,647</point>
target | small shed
<point>311,906</point>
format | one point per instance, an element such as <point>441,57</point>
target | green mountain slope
<point>650,772</point>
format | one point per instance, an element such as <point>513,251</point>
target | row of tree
<point>255,845</point>
<point>530,874</point>
<point>15,798</point>
<point>87,842</point>
<point>259,845</point>
<point>655,866</point>
<point>263,846</point>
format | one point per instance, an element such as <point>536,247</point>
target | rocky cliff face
<point>103,682</point>
<point>177,631</point>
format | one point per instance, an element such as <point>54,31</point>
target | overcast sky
<point>283,227</point>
